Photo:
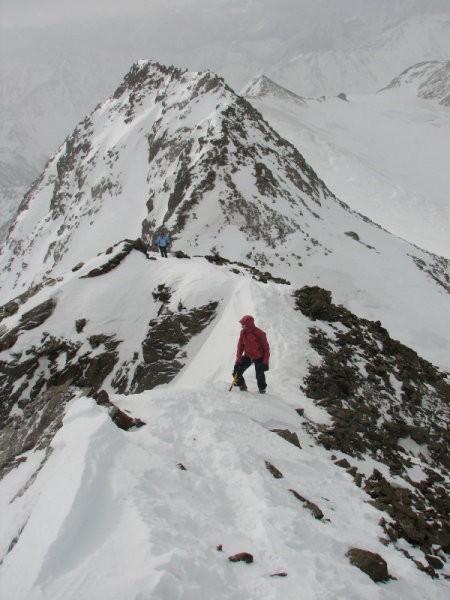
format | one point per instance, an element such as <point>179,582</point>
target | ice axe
<point>233,383</point>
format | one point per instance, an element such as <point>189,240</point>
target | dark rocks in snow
<point>8,339</point>
<point>280,574</point>
<point>38,315</point>
<point>343,463</point>
<point>40,380</point>
<point>33,427</point>
<point>418,515</point>
<point>273,470</point>
<point>162,293</point>
<point>29,320</point>
<point>8,309</point>
<point>434,561</point>
<point>315,303</point>
<point>163,346</point>
<point>382,397</point>
<point>436,268</point>
<point>313,508</point>
<point>241,557</point>
<point>369,413</point>
<point>181,467</point>
<point>118,417</point>
<point>289,436</point>
<point>124,421</point>
<point>77,267</point>
<point>123,252</point>
<point>180,254</point>
<point>264,277</point>
<point>370,563</point>
<point>356,237</point>
<point>80,324</point>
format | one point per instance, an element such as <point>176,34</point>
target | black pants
<point>259,371</point>
<point>163,250</point>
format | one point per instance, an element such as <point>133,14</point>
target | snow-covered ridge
<point>180,148</point>
<point>98,330</point>
<point>165,140</point>
<point>211,473</point>
<point>430,80</point>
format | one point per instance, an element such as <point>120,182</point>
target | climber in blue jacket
<point>162,241</point>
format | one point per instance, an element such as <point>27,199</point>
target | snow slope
<point>385,154</point>
<point>156,512</point>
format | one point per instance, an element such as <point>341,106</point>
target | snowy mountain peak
<point>430,80</point>
<point>264,86</point>
<point>170,147</point>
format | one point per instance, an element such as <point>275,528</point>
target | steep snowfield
<point>385,154</point>
<point>112,514</point>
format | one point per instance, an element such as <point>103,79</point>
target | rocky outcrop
<point>256,274</point>
<point>163,347</point>
<point>311,506</point>
<point>273,470</point>
<point>32,427</point>
<point>123,249</point>
<point>370,563</point>
<point>289,436</point>
<point>29,320</point>
<point>118,417</point>
<point>242,557</point>
<point>383,399</point>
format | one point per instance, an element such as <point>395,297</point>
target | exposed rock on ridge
<point>386,402</point>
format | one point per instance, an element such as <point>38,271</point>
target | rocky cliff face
<point>386,402</point>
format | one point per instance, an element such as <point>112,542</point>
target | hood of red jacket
<point>248,321</point>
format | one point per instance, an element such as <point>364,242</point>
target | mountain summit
<point>180,149</point>
<point>170,148</point>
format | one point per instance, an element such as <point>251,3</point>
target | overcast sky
<point>16,13</point>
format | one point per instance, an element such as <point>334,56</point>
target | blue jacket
<point>163,240</point>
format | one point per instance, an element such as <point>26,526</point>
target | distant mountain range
<point>385,154</point>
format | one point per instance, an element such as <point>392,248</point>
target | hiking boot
<point>243,388</point>
<point>262,391</point>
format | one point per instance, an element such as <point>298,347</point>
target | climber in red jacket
<point>252,348</point>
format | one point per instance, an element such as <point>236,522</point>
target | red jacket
<point>252,342</point>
